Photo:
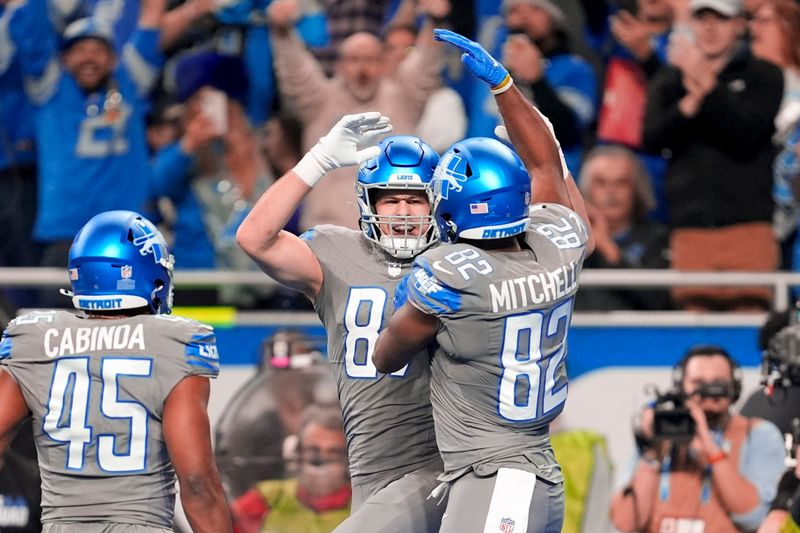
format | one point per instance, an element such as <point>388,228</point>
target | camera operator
<point>701,469</point>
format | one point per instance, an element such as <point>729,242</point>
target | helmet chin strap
<point>155,299</point>
<point>452,231</point>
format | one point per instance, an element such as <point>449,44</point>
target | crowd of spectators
<point>681,119</point>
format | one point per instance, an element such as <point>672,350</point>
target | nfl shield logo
<point>506,525</point>
<point>73,274</point>
<point>126,271</point>
<point>394,269</point>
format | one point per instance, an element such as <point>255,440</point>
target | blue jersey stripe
<point>5,347</point>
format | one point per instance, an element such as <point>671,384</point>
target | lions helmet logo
<point>150,242</point>
<point>448,176</point>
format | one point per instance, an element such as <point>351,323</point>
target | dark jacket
<point>720,160</point>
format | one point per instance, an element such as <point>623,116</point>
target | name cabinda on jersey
<point>499,373</point>
<point>96,390</point>
<point>387,418</point>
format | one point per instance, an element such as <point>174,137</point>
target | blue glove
<point>401,292</point>
<point>478,60</point>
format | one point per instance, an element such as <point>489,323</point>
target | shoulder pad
<point>198,340</point>
<point>433,285</point>
<point>559,225</point>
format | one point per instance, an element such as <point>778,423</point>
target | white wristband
<point>503,86</point>
<point>311,167</point>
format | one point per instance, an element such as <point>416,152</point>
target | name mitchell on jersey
<point>543,287</point>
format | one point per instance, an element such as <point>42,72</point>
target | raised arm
<point>528,129</point>
<point>141,55</point>
<point>35,39</point>
<point>300,77</point>
<point>283,256</point>
<point>188,436</point>
<point>151,14</point>
<point>179,19</point>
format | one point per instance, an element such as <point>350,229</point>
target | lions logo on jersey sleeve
<point>202,355</point>
<point>199,345</point>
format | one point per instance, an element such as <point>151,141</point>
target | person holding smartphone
<point>215,169</point>
<point>562,84</point>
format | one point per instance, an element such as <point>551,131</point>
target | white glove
<point>340,147</point>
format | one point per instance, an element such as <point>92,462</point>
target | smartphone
<point>215,107</point>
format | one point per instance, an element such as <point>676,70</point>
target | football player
<point>118,393</point>
<point>350,276</point>
<point>497,298</point>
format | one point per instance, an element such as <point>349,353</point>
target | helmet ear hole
<point>452,228</point>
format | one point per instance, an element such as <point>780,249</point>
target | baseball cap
<point>85,28</point>
<point>728,8</point>
<point>555,12</point>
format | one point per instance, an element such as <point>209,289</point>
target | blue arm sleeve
<point>761,463</point>
<point>171,168</point>
<point>261,86</point>
<point>313,29</point>
<point>35,37</point>
<point>142,59</point>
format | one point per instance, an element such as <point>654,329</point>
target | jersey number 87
<point>361,337</point>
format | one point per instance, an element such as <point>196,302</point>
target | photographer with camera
<point>700,468</point>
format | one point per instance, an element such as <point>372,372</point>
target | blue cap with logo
<point>85,28</point>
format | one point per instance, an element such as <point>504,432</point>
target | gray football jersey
<point>96,390</point>
<point>387,417</point>
<point>499,373</point>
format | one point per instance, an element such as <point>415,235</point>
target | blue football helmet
<point>119,260</point>
<point>481,190</point>
<point>405,163</point>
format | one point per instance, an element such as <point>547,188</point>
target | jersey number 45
<point>68,412</point>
